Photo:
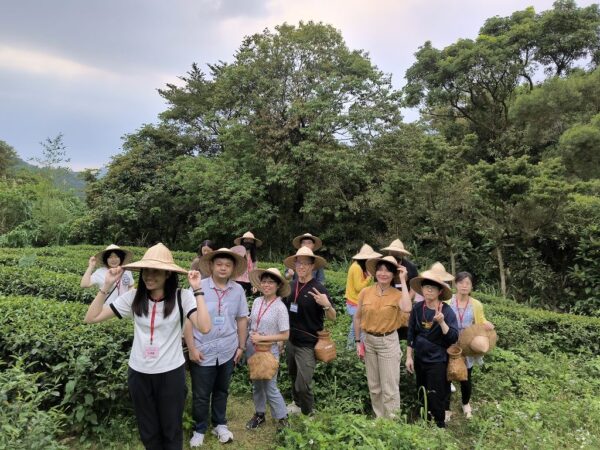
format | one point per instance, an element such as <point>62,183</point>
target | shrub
<point>25,424</point>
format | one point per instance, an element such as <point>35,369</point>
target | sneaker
<point>448,416</point>
<point>467,411</point>
<point>197,439</point>
<point>292,408</point>
<point>452,387</point>
<point>283,423</point>
<point>256,421</point>
<point>223,433</point>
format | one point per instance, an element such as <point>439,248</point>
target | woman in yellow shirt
<point>358,279</point>
<point>378,315</point>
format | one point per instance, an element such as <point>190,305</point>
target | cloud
<point>35,62</point>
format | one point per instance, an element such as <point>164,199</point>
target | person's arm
<point>199,318</point>
<point>86,280</point>
<point>322,298</point>
<point>280,337</point>
<point>410,363</point>
<point>96,311</point>
<point>242,332</point>
<point>410,337</point>
<point>188,335</point>
<point>405,302</point>
<point>449,325</point>
<point>356,321</point>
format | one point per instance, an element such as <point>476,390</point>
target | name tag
<point>219,320</point>
<point>294,307</point>
<point>151,351</point>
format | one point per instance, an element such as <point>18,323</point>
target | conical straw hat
<point>372,263</point>
<point>247,235</point>
<point>416,284</point>
<point>284,288</point>
<point>477,340</point>
<point>111,248</point>
<point>298,239</point>
<point>240,262</point>
<point>290,261</point>
<point>366,252</point>
<point>156,257</point>
<point>397,247</point>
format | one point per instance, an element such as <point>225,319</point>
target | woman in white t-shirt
<point>158,308</point>
<point>112,256</point>
<point>269,323</point>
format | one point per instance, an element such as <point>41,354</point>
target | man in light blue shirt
<point>214,355</point>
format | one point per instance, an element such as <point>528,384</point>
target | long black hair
<point>140,301</point>
<point>206,243</point>
<point>362,263</point>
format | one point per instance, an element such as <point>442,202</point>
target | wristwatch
<point>326,308</point>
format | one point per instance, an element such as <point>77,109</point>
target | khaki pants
<point>382,358</point>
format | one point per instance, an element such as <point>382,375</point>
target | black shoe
<point>256,421</point>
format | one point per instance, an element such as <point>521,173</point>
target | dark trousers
<point>432,377</point>
<point>158,401</point>
<point>301,368</point>
<point>466,387</point>
<point>207,382</point>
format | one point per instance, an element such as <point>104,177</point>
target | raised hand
<point>194,279</point>
<point>439,317</point>
<point>319,297</point>
<point>112,276</point>
<point>403,273</point>
<point>92,262</point>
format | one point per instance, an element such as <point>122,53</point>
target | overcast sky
<point>90,68</point>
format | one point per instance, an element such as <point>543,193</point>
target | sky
<point>91,69</point>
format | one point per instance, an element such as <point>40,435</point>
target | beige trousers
<point>382,359</point>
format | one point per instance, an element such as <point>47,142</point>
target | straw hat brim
<point>318,242</point>
<point>155,264</point>
<point>395,250</point>
<point>364,256</point>
<point>416,285</point>
<point>238,270</point>
<point>371,264</point>
<point>469,333</point>
<point>238,241</point>
<point>445,277</point>
<point>112,248</point>
<point>290,261</point>
<point>284,288</point>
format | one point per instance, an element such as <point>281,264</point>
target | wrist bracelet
<point>326,308</point>
<point>198,292</point>
<point>103,292</point>
<point>357,340</point>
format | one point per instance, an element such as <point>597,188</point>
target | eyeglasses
<point>267,282</point>
<point>303,264</point>
<point>429,287</point>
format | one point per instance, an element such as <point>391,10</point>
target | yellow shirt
<point>379,314</point>
<point>355,283</point>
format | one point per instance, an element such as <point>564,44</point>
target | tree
<point>579,147</point>
<point>54,153</point>
<point>8,157</point>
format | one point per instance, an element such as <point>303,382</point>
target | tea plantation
<point>63,383</point>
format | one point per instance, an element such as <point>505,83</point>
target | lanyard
<point>298,291</point>
<point>461,316</point>
<point>220,297</point>
<point>154,302</point>
<point>261,313</point>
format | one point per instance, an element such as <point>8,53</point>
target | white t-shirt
<point>166,337</point>
<point>122,286</point>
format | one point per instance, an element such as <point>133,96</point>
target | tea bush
<point>86,363</point>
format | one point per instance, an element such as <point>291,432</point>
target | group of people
<point>219,329</point>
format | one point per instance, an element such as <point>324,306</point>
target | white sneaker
<point>447,416</point>
<point>197,439</point>
<point>292,408</point>
<point>223,433</point>
<point>452,388</point>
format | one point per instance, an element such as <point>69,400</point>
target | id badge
<point>151,351</point>
<point>294,307</point>
<point>219,320</point>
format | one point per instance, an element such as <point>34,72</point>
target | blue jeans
<point>207,381</point>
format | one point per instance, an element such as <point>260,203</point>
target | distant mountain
<point>64,178</point>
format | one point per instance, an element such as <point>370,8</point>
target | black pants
<point>466,387</point>
<point>210,388</point>
<point>158,400</point>
<point>432,378</point>
<point>301,368</point>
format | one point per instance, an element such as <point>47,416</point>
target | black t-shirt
<point>309,315</point>
<point>411,270</point>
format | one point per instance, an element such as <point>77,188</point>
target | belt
<point>381,334</point>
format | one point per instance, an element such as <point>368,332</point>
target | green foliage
<point>349,431</point>
<point>87,364</point>
<point>26,422</point>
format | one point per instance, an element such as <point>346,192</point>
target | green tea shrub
<point>25,423</point>
<point>86,363</point>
